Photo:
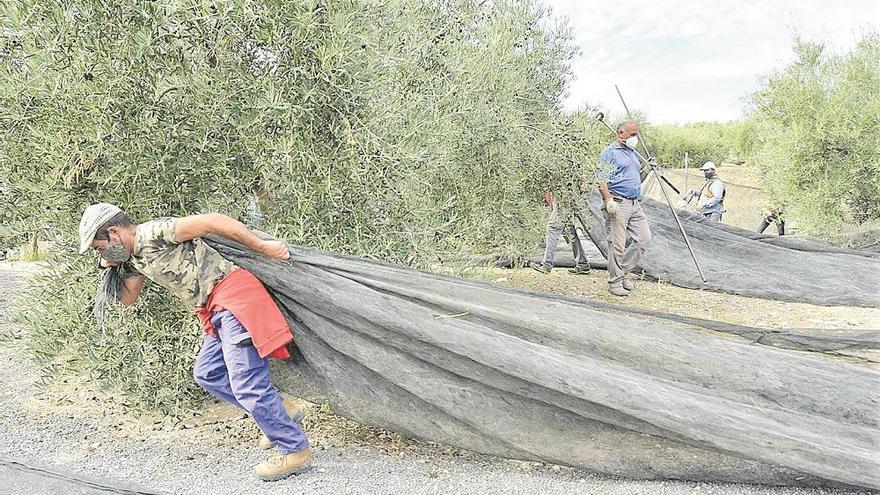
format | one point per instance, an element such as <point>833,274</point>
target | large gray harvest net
<point>739,261</point>
<point>533,376</point>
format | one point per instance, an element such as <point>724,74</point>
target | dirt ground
<point>660,296</point>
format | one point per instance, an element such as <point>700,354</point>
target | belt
<point>621,199</point>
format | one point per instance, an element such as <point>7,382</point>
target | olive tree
<point>402,130</point>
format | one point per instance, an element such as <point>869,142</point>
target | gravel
<point>89,447</point>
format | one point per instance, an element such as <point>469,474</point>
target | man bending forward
<point>243,325</point>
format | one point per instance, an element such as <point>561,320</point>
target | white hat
<point>710,165</point>
<point>93,218</point>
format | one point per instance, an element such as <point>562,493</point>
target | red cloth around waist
<point>243,295</point>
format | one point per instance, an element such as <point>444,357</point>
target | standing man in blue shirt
<point>623,210</point>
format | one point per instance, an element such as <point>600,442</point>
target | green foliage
<point>401,130</point>
<point>8,237</point>
<point>145,352</point>
<point>818,122</point>
<point>741,138</point>
<point>702,141</point>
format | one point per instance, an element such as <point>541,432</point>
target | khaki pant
<point>631,221</point>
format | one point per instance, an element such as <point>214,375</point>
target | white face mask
<point>632,141</point>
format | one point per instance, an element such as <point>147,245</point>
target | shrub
<point>818,122</point>
<point>702,141</point>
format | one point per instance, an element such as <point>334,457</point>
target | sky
<point>687,60</point>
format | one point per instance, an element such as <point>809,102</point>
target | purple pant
<point>231,368</point>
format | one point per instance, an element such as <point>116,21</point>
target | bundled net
<point>533,376</point>
<point>744,262</point>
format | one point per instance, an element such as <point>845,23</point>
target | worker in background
<point>711,194</point>
<point>561,225</point>
<point>773,214</point>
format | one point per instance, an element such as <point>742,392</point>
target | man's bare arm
<point>131,285</point>
<point>131,289</point>
<point>603,190</point>
<point>194,226</point>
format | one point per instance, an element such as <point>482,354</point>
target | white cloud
<point>688,60</point>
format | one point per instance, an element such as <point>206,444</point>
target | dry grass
<point>661,296</point>
<point>30,252</point>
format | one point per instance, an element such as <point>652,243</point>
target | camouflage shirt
<point>189,269</point>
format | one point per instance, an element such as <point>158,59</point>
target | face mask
<point>632,141</point>
<point>708,174</point>
<point>116,253</point>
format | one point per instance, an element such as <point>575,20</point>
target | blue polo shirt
<point>625,179</point>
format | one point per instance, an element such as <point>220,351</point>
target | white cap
<point>708,166</point>
<point>93,218</point>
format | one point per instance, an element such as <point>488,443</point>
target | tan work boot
<point>618,290</point>
<point>279,467</point>
<point>629,283</point>
<point>296,413</point>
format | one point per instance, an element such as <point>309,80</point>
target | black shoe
<point>539,267</point>
<point>580,270</point>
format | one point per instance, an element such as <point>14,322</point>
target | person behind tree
<point>560,224</point>
<point>773,214</point>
